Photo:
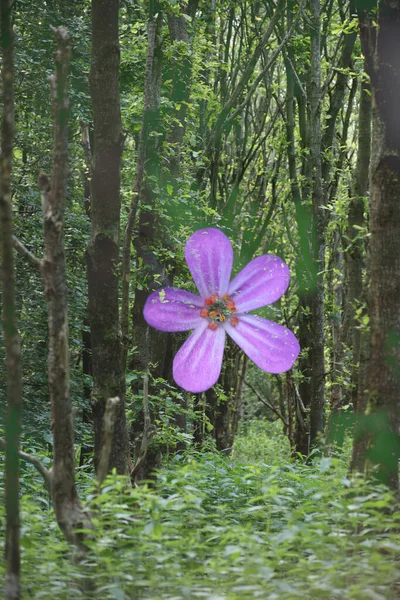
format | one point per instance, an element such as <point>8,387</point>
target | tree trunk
<point>354,255</point>
<point>151,345</point>
<point>237,413</point>
<point>226,408</point>
<point>319,226</point>
<point>301,435</point>
<point>310,267</point>
<point>11,335</point>
<point>87,371</point>
<point>181,76</point>
<point>383,66</point>
<point>69,512</point>
<point>103,248</point>
<point>355,334</point>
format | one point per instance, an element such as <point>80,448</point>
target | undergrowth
<point>254,525</point>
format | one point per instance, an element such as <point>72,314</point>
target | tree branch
<point>23,251</point>
<point>33,460</point>
<point>270,62</point>
<point>266,403</point>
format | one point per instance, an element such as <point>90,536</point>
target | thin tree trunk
<point>11,335</point>
<point>199,421</point>
<point>301,435</point>
<point>358,337</point>
<point>151,346</point>
<point>360,391</point>
<point>103,248</point>
<point>360,442</point>
<point>354,254</point>
<point>319,226</point>
<point>181,76</point>
<point>225,409</point>
<point>237,413</point>
<point>290,405</point>
<point>86,337</point>
<point>69,512</point>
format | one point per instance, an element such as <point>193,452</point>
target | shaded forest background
<point>275,122</point>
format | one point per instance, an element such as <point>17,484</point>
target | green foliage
<point>34,63</point>
<point>256,525</point>
<point>252,526</point>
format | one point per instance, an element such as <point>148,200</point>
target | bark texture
<point>383,411</point>
<point>69,512</point>
<point>103,249</point>
<point>227,412</point>
<point>11,335</point>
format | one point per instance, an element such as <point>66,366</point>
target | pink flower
<point>222,308</point>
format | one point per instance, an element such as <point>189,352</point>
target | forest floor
<point>253,525</point>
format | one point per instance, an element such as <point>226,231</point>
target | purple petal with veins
<point>171,309</point>
<point>263,281</point>
<point>209,256</point>
<point>198,363</point>
<point>272,347</point>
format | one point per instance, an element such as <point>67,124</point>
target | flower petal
<point>209,256</point>
<point>272,347</point>
<point>261,282</point>
<point>171,309</point>
<point>198,363</point>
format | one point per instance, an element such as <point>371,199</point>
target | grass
<point>255,525</point>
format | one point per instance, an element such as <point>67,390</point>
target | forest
<point>200,293</point>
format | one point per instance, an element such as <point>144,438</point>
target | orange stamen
<point>230,304</point>
<point>213,326</point>
<point>204,312</point>
<point>210,300</point>
<point>234,321</point>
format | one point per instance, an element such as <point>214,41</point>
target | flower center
<point>218,310</point>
